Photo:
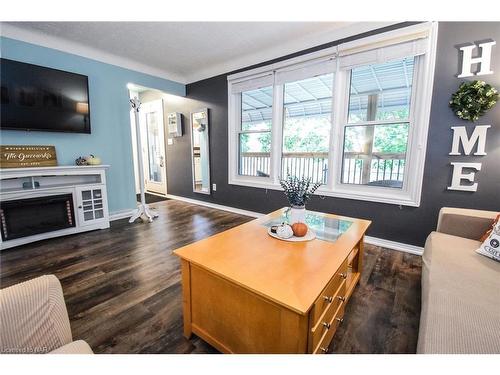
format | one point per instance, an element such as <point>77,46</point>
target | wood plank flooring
<point>123,292</point>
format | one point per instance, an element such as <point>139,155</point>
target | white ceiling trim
<point>286,48</point>
<point>79,49</point>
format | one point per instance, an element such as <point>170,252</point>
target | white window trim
<point>410,194</point>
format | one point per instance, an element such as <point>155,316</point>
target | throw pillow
<point>491,247</point>
<point>488,232</point>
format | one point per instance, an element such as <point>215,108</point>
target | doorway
<point>153,151</point>
<point>153,141</point>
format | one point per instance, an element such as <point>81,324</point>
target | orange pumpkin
<point>299,229</point>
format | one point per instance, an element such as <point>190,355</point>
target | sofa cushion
<point>465,223</point>
<point>75,347</point>
<point>460,298</point>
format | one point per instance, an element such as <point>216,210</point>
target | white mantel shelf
<point>62,168</point>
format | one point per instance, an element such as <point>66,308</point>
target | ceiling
<point>183,51</point>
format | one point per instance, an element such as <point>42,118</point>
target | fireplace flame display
<point>27,217</point>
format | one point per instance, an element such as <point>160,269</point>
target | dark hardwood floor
<point>123,292</point>
<point>383,313</point>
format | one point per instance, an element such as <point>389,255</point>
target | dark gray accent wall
<point>409,225</point>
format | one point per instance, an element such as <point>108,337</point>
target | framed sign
<point>27,156</point>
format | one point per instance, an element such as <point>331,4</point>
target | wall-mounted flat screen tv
<point>37,98</point>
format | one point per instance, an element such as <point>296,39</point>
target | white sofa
<point>34,319</point>
<point>460,288</point>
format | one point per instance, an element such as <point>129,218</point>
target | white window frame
<point>420,106</point>
<point>234,102</point>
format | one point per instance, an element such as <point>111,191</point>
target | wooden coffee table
<point>246,292</point>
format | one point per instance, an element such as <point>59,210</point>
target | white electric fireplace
<point>41,203</point>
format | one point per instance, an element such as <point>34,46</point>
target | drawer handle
<point>324,350</point>
<point>327,325</point>
<point>343,275</point>
<point>340,320</point>
<point>342,299</point>
<point>328,299</point>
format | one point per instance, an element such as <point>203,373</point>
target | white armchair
<point>34,319</point>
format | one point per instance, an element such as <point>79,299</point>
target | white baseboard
<point>122,214</point>
<point>393,245</point>
<point>154,193</point>
<point>217,206</point>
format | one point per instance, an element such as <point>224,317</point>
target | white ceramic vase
<point>297,214</point>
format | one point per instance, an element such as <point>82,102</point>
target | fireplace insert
<point>27,217</point>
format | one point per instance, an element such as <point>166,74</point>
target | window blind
<point>306,70</point>
<point>252,83</point>
<point>382,52</point>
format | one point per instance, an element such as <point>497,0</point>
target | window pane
<point>381,91</point>
<point>255,154</point>
<point>306,127</point>
<point>257,109</point>
<point>375,155</point>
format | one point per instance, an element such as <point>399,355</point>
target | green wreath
<point>473,99</point>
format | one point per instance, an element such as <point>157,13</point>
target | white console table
<point>86,184</point>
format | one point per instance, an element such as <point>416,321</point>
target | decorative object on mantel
<point>93,160</point>
<point>473,99</point>
<point>17,156</point>
<point>81,161</point>
<point>298,191</point>
<point>143,208</point>
<point>88,160</point>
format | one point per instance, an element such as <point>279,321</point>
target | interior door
<point>153,146</point>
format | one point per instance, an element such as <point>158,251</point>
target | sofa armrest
<point>33,317</point>
<point>75,347</point>
<point>464,222</point>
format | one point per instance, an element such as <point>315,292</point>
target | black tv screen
<point>37,98</point>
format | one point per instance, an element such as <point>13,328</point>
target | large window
<point>255,132</point>
<point>378,124</point>
<point>354,118</point>
<point>307,112</point>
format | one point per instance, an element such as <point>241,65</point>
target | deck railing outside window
<point>387,169</point>
<point>313,165</point>
<point>379,169</point>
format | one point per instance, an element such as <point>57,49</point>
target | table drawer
<point>326,338</point>
<point>323,324</point>
<point>328,294</point>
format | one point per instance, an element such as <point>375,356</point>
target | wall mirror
<point>200,151</point>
